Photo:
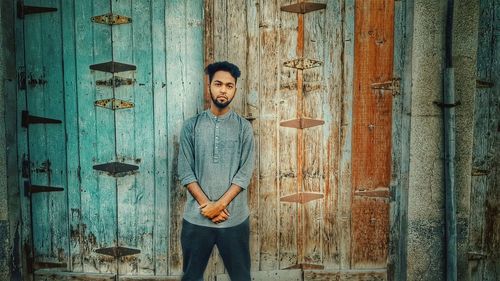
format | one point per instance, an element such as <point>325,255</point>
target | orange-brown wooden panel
<point>372,119</point>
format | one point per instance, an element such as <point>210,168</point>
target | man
<point>216,158</point>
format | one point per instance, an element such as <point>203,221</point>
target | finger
<point>203,205</point>
<point>226,212</point>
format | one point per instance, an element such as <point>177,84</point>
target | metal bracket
<point>302,197</point>
<point>447,105</point>
<point>113,104</point>
<point>30,188</point>
<point>393,85</point>
<point>302,123</point>
<point>480,172</point>
<point>23,10</point>
<point>116,169</point>
<point>117,252</point>
<point>303,63</point>
<point>113,67</point>
<point>302,8</point>
<point>476,255</point>
<point>27,119</point>
<point>484,84</point>
<point>115,82</point>
<point>21,80</point>
<point>306,266</point>
<point>111,19</point>
<point>26,169</point>
<point>250,117</point>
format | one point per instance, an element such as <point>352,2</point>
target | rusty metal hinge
<point>111,19</point>
<point>303,63</point>
<point>302,123</point>
<point>484,84</point>
<point>117,252</point>
<point>302,197</point>
<point>31,188</point>
<point>116,169</point>
<point>472,255</point>
<point>393,85</point>
<point>113,104</point>
<point>302,8</point>
<point>27,119</point>
<point>113,67</point>
<point>115,82</point>
<point>23,10</point>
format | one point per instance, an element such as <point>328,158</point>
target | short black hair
<point>222,66</point>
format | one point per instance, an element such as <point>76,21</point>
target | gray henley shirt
<point>217,153</point>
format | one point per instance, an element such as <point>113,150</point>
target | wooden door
<point>347,160</point>
<point>61,57</point>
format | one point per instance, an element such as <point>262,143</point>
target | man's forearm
<point>198,194</point>
<point>230,194</point>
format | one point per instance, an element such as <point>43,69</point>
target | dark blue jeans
<point>233,244</point>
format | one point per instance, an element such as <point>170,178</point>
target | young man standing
<point>216,158</point>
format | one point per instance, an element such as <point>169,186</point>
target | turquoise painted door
<point>138,209</point>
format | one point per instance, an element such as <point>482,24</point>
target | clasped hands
<point>215,211</point>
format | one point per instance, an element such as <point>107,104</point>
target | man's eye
<point>229,86</point>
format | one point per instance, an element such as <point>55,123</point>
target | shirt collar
<point>220,117</point>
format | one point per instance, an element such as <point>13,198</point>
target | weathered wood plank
<point>54,105</point>
<point>268,126</point>
<point>73,183</point>
<point>50,275</point>
<point>314,145</point>
<point>333,82</point>
<point>287,140</point>
<point>345,138</point>
<point>371,129</point>
<point>161,191</point>
<point>252,70</point>
<point>403,34</point>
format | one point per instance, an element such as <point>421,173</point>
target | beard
<point>219,104</point>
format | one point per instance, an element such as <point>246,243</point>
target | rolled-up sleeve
<point>185,165</point>
<point>245,170</point>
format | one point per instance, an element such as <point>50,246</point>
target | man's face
<point>222,89</point>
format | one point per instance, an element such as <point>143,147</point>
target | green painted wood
<point>401,141</point>
<point>96,138</point>
<point>161,192</point>
<point>73,183</point>
<point>43,57</point>
<point>484,190</point>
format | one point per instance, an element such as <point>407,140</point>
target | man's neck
<point>219,111</point>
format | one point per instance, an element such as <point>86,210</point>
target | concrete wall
<point>426,244</point>
<point>7,78</point>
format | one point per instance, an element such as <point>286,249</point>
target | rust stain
<point>371,141</point>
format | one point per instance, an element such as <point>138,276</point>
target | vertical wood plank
<point>73,183</point>
<point>161,195</point>
<point>314,147</point>
<point>371,131</point>
<point>252,98</point>
<point>287,168</point>
<point>184,21</point>
<point>97,140</point>
<point>268,195</point>
<point>333,83</point>
<point>403,34</point>
<point>26,242</point>
<point>345,141</point>
<point>484,198</point>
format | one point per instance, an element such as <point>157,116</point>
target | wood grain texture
<point>372,128</point>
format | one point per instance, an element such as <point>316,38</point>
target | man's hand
<point>224,215</point>
<point>211,209</point>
